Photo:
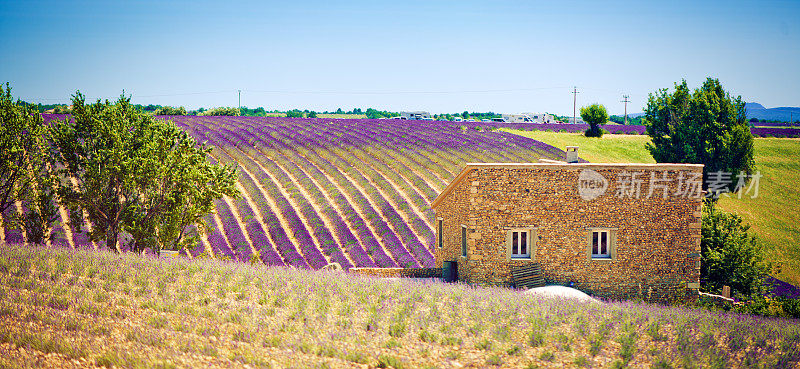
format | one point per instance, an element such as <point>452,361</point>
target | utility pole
<point>626,101</point>
<point>574,100</point>
<point>240,102</point>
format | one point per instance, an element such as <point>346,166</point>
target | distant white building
<point>541,118</point>
<point>517,118</point>
<point>415,115</point>
<point>527,118</point>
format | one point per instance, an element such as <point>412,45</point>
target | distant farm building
<point>611,230</point>
<point>526,118</point>
<point>541,118</point>
<point>415,115</point>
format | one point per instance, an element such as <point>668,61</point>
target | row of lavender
<point>356,192</point>
<point>315,191</point>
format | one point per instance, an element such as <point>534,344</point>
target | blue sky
<point>440,56</point>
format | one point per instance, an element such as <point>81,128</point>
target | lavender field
<point>63,307</point>
<point>316,191</point>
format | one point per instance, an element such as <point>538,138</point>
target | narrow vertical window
<point>441,238</point>
<point>519,244</point>
<point>515,243</point>
<point>463,241</point>
<point>600,244</point>
<point>604,243</point>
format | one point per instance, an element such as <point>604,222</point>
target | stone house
<point>617,231</point>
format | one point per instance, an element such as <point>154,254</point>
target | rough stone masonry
<point>642,219</point>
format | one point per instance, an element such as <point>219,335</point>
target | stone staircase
<point>528,275</point>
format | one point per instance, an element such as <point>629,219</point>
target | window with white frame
<point>520,243</point>
<point>601,244</point>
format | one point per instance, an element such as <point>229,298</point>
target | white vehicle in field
<point>485,120</point>
<point>399,118</point>
<point>458,119</point>
<point>498,120</point>
<point>415,115</point>
<point>541,117</point>
<point>517,118</point>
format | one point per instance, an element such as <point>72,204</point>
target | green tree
<point>175,188</point>
<point>169,110</point>
<point>222,111</point>
<point>465,114</point>
<point>730,256</point>
<point>25,173</point>
<point>311,114</point>
<point>294,113</point>
<point>595,115</point>
<point>131,173</point>
<point>706,126</point>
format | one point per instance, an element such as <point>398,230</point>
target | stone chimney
<point>572,154</point>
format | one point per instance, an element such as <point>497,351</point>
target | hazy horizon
<point>442,56</point>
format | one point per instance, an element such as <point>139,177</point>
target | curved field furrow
<point>303,227</point>
<point>352,199</point>
<point>286,244</point>
<point>387,234</point>
<point>312,214</point>
<point>323,205</point>
<point>353,191</point>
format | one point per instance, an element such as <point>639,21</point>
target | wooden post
<point>726,291</point>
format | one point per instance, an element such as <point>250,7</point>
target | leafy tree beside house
<point>595,115</point>
<point>705,126</point>
<point>731,256</point>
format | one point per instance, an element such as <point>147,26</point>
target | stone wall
<point>657,250</point>
<point>398,272</point>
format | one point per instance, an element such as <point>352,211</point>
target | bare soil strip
<point>65,225</point>
<point>317,208</point>
<point>86,221</point>
<point>259,219</point>
<point>336,208</point>
<point>378,209</point>
<point>219,228</point>
<point>391,202</point>
<point>275,209</point>
<point>358,210</point>
<point>238,217</point>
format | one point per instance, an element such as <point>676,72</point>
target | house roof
<point>555,165</point>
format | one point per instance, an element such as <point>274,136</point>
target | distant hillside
<point>756,110</point>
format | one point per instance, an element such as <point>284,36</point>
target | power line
<point>574,101</point>
<point>626,101</point>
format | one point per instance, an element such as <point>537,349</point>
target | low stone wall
<point>398,272</point>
